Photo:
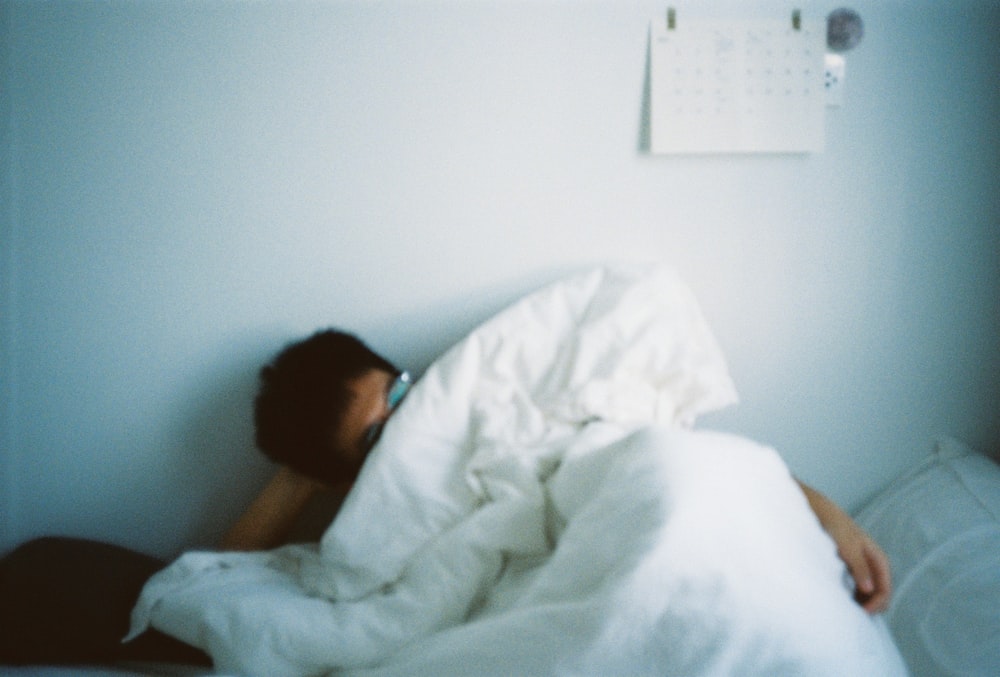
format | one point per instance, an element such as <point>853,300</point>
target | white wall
<point>187,186</point>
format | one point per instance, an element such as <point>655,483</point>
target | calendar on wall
<point>726,86</point>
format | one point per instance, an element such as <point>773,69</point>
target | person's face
<point>368,409</point>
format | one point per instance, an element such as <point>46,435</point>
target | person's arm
<point>867,564</point>
<point>271,515</point>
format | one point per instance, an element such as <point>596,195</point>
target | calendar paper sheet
<point>736,86</point>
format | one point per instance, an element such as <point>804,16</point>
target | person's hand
<point>867,564</point>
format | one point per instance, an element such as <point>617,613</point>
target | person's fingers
<point>877,597</point>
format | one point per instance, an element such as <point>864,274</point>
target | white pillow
<point>628,346</point>
<point>940,526</point>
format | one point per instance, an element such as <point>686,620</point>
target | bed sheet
<point>673,552</point>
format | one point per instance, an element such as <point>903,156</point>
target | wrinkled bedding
<point>539,505</point>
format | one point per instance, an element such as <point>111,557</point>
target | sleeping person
<point>320,409</point>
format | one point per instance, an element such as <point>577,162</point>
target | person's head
<point>319,402</point>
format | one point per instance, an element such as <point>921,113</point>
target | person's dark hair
<point>303,396</point>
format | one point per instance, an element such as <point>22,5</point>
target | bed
<point>940,526</point>
<point>543,503</point>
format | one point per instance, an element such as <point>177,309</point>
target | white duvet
<point>539,506</point>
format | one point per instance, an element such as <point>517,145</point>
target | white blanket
<point>537,507</point>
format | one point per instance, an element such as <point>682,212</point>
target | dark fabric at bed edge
<point>68,601</point>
